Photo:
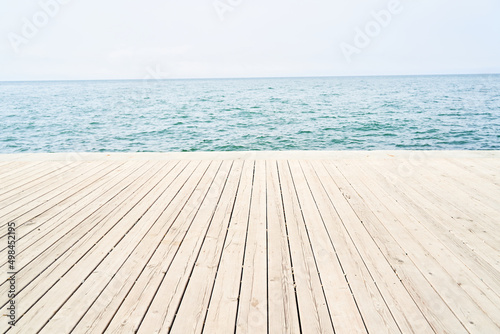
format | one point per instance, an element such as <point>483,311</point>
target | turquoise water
<point>347,113</point>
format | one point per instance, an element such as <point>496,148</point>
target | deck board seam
<point>152,253</point>
<point>289,248</point>
<point>361,256</point>
<point>222,249</point>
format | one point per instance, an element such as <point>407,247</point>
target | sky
<point>162,39</point>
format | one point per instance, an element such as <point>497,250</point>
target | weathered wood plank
<point>267,242</point>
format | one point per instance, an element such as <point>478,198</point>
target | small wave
<point>252,116</point>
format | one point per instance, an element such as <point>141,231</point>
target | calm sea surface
<point>357,113</point>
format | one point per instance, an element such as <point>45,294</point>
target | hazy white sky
<point>121,39</point>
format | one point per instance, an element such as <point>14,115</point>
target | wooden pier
<point>247,242</point>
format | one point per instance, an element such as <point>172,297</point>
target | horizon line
<point>257,77</point>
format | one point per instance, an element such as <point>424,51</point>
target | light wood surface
<point>253,242</point>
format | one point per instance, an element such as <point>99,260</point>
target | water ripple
<point>427,112</point>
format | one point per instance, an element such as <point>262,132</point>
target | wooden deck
<point>298,242</point>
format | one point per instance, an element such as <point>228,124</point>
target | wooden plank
<point>222,310</point>
<point>160,285</point>
<point>282,300</point>
<point>251,246</point>
<point>43,190</point>
<point>64,224</point>
<point>10,173</point>
<point>341,224</point>
<point>485,192</point>
<point>455,208</point>
<point>446,190</point>
<point>430,185</point>
<point>54,298</point>
<point>7,165</point>
<point>9,170</point>
<point>33,219</point>
<point>196,298</point>
<point>45,256</point>
<point>313,308</point>
<point>252,308</point>
<point>491,164</point>
<point>396,296</point>
<point>63,255</point>
<point>481,170</point>
<point>20,182</point>
<point>447,271</point>
<point>29,187</point>
<point>131,291</point>
<point>42,219</point>
<point>408,231</point>
<point>164,239</point>
<point>344,311</point>
<point>462,236</point>
<point>40,203</point>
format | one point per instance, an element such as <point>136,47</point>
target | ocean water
<point>342,113</point>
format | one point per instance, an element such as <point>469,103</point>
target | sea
<point>452,112</point>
